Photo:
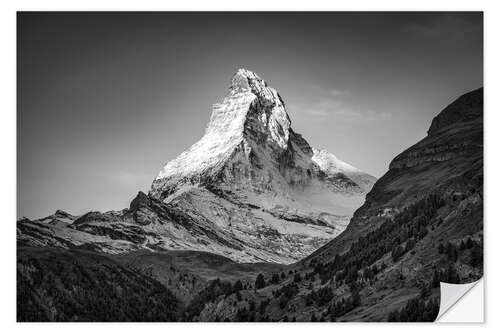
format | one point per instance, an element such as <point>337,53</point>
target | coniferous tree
<point>238,285</point>
<point>260,282</point>
<point>476,255</point>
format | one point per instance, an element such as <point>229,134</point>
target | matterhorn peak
<point>251,126</point>
<point>249,155</point>
<point>252,176</point>
<point>250,113</point>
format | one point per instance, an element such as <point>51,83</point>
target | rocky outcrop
<point>444,151</point>
<point>453,134</point>
<point>468,107</point>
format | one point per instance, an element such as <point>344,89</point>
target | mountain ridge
<point>251,189</point>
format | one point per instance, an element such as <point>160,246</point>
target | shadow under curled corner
<point>461,303</point>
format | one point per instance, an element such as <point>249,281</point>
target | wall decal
<point>342,180</point>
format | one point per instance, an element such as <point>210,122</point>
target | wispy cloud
<point>448,27</point>
<point>375,115</point>
<point>129,178</point>
<point>336,106</point>
<point>337,92</point>
<point>317,113</point>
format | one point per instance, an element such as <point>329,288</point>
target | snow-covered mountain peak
<point>254,177</point>
<point>249,140</point>
<point>250,113</point>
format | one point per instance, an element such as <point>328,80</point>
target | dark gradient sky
<point>105,99</point>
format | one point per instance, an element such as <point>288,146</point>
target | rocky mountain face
<point>421,224</point>
<point>250,189</point>
<point>447,162</point>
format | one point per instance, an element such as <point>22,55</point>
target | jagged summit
<point>250,126</point>
<point>245,80</point>
<point>249,101</point>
